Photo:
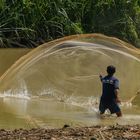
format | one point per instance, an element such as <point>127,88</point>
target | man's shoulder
<point>113,78</point>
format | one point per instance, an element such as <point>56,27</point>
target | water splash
<point>58,82</point>
<point>70,66</point>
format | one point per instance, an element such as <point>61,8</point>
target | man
<point>109,98</point>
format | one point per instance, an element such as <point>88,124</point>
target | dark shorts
<point>111,105</point>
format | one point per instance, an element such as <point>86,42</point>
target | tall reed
<point>28,23</point>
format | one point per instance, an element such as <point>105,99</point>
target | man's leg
<point>119,114</point>
<point>102,108</point>
<point>114,108</point>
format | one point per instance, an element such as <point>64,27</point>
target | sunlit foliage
<point>28,23</point>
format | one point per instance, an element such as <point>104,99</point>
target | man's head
<point>111,70</point>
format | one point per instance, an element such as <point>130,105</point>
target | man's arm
<point>117,95</point>
<point>117,91</point>
<point>101,77</point>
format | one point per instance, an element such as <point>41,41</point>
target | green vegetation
<point>28,23</point>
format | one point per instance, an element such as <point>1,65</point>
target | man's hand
<point>100,76</point>
<point>118,100</point>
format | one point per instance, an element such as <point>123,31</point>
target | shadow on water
<point>58,82</point>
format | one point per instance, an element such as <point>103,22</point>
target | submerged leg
<point>102,108</point>
<point>119,114</point>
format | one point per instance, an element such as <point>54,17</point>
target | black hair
<point>111,70</point>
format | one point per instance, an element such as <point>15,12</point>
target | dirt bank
<point>116,132</point>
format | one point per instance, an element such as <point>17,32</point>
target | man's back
<point>110,83</point>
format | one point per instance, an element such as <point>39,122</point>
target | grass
<point>28,23</point>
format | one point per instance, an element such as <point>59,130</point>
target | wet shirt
<point>109,84</point>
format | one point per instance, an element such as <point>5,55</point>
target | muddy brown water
<point>57,83</point>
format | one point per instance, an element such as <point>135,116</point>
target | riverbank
<point>115,132</point>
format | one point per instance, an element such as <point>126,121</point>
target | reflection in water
<point>9,55</point>
<point>58,82</point>
<point>48,113</point>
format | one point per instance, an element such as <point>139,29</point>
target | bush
<point>28,23</point>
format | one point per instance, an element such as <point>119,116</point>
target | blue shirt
<point>109,84</point>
